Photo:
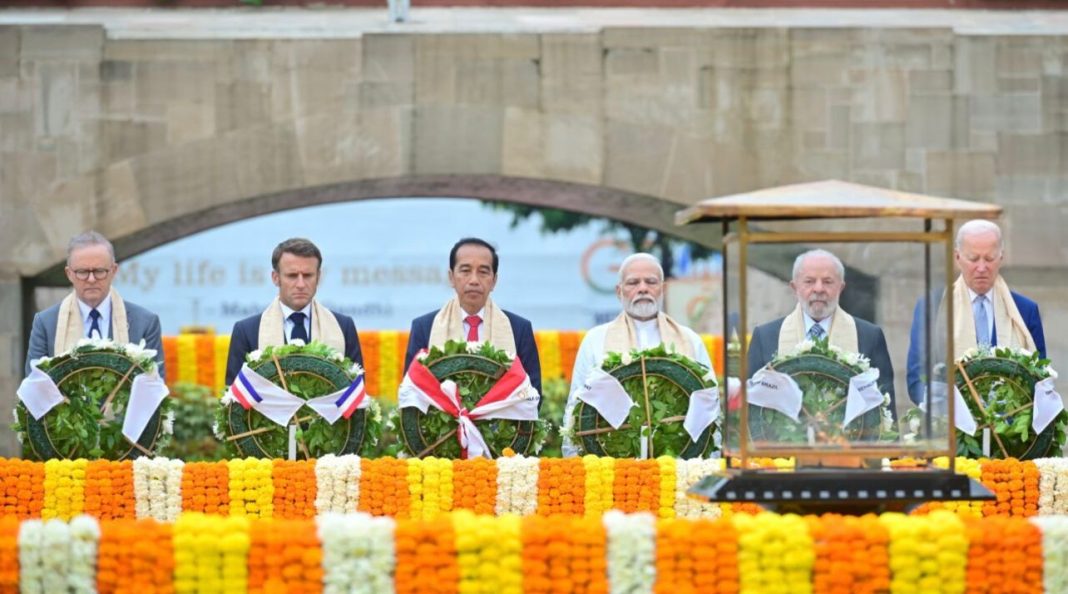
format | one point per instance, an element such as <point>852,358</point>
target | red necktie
<point>472,327</point>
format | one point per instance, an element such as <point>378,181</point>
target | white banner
<point>962,415</point>
<point>252,390</point>
<point>702,412</point>
<point>864,395</point>
<point>775,390</point>
<point>39,393</point>
<point>146,394</point>
<point>1048,404</point>
<point>605,394</point>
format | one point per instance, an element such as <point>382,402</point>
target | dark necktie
<point>95,326</point>
<point>472,327</point>
<point>298,327</point>
<point>815,332</point>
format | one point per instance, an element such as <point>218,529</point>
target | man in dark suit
<point>94,309</point>
<point>294,314</point>
<point>472,315</point>
<point>986,312</point>
<point>818,280</point>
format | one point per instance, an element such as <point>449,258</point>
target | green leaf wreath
<point>822,371</point>
<point>998,386</point>
<point>95,377</point>
<point>670,378</point>
<point>306,371</point>
<point>475,369</point>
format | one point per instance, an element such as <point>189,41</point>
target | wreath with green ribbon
<point>822,372</point>
<point>475,371</point>
<point>95,377</point>
<point>998,387</point>
<point>306,371</point>
<point>660,383</point>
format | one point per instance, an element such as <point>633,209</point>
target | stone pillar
<point>12,343</point>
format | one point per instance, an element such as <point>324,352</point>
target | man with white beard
<point>641,325</point>
<point>818,280</point>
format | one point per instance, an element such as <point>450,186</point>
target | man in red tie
<point>471,315</point>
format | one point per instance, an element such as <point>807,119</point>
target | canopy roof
<point>832,199</point>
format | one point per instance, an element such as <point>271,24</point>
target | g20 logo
<point>600,264</point>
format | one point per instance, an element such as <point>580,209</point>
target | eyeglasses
<point>97,273</point>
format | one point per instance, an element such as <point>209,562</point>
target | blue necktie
<point>982,322</point>
<point>95,326</point>
<point>815,332</point>
<point>298,327</point>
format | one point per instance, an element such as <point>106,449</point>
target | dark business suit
<point>246,338</point>
<point>870,342</point>
<point>523,332</point>
<point>143,325</point>
<point>1028,311</point>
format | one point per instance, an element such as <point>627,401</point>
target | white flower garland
<point>358,553</point>
<point>1052,486</point>
<point>158,488</point>
<point>31,571</point>
<point>687,473</point>
<point>55,556</point>
<point>1054,552</point>
<point>84,539</point>
<point>517,485</point>
<point>337,482</point>
<point>631,541</point>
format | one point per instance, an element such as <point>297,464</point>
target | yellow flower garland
<point>210,554</point>
<point>222,353</point>
<point>600,476</point>
<point>64,489</point>
<point>389,362</point>
<point>928,554</point>
<point>548,342</point>
<point>251,487</point>
<point>668,474</point>
<point>775,553</point>
<point>187,358</point>
<point>436,489</point>
<point>488,553</point>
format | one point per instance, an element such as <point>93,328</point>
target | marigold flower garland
<point>774,553</point>
<point>426,557</point>
<point>251,487</point>
<point>927,553</point>
<point>64,489</point>
<point>210,553</point>
<point>1016,485</point>
<point>109,492</point>
<point>206,488</point>
<point>562,485</point>
<point>518,479</point>
<point>222,353</point>
<point>474,485</point>
<point>21,488</point>
<point>430,486</point>
<point>1054,552</point>
<point>135,557</point>
<point>285,557</point>
<point>488,553</point>
<point>1052,486</point>
<point>636,486</point>
<point>631,551</point>
<point>205,348</point>
<point>384,488</point>
<point>187,358</point>
<point>548,343</point>
<point>852,555</point>
<point>562,554</point>
<point>358,553</point>
<point>1004,555</point>
<point>696,557</point>
<point>294,488</point>
<point>158,488</point>
<point>337,480</point>
<point>668,473</point>
<point>9,554</point>
<point>389,373</point>
<point>600,481</point>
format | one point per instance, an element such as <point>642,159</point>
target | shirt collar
<point>288,311</point>
<point>972,294</point>
<point>809,322</point>
<point>104,308</point>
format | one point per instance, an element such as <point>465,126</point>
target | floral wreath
<point>95,378</point>
<point>305,371</point>
<point>660,383</point>
<point>822,371</point>
<point>998,386</point>
<point>475,368</point>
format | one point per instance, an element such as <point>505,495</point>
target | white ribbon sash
<point>341,403</point>
<point>702,412</point>
<point>1048,404</point>
<point>251,390</point>
<point>775,390</point>
<point>38,393</point>
<point>606,395</point>
<point>146,394</point>
<point>962,416</point>
<point>864,395</point>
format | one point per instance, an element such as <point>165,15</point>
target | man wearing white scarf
<point>93,309</point>
<point>641,325</point>
<point>818,281</point>
<point>472,316</point>
<point>295,314</point>
<point>985,311</point>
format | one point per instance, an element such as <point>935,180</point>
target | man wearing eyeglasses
<point>94,309</point>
